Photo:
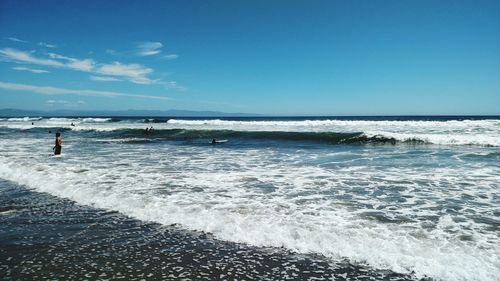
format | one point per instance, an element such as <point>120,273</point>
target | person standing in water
<point>58,146</point>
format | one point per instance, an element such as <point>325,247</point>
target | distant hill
<point>9,112</point>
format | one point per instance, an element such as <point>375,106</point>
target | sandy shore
<point>45,237</point>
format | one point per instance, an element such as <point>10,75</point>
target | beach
<point>44,237</point>
<point>283,199</point>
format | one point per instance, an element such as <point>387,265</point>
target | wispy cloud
<point>103,78</point>
<point>46,45</point>
<point>14,39</point>
<point>86,65</point>
<point>112,52</point>
<point>76,64</point>
<point>148,48</point>
<point>173,85</point>
<point>62,91</point>
<point>59,57</point>
<point>170,57</point>
<point>134,73</point>
<point>33,70</point>
<point>65,103</point>
<point>26,57</point>
<point>115,71</point>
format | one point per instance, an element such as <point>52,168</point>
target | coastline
<point>45,237</point>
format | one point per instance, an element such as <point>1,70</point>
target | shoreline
<point>45,237</point>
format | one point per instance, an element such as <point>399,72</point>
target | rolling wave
<point>483,132</point>
<point>374,137</point>
<point>321,137</point>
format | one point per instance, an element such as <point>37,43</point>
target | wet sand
<point>44,237</point>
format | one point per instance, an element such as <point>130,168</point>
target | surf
<point>480,132</point>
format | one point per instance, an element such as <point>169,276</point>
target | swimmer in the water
<point>58,145</point>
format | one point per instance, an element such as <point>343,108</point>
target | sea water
<point>414,195</point>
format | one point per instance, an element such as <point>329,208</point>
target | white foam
<point>96,119</point>
<point>466,132</point>
<point>268,197</point>
<point>60,122</point>
<point>24,119</point>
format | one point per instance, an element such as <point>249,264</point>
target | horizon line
<point>29,113</point>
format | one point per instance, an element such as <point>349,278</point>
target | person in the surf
<point>57,147</point>
<point>214,141</point>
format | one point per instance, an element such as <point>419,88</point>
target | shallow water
<point>425,203</point>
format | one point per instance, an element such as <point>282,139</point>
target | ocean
<point>297,198</point>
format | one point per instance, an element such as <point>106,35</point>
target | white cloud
<point>112,52</point>
<point>76,64</point>
<point>52,102</point>
<point>134,72</point>
<point>170,57</point>
<point>61,91</point>
<point>65,103</point>
<point>60,57</point>
<point>33,70</point>
<point>26,57</point>
<point>46,45</point>
<point>103,78</point>
<point>173,85</point>
<point>16,40</point>
<point>86,65</point>
<point>148,48</point>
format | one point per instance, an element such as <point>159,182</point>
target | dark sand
<point>44,237</point>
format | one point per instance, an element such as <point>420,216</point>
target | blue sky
<point>270,57</point>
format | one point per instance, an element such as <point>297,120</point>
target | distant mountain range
<point>9,112</point>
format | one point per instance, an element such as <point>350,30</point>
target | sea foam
<point>451,132</point>
<point>346,206</point>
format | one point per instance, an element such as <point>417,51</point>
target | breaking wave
<point>484,132</point>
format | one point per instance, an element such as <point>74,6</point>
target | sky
<point>271,57</point>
